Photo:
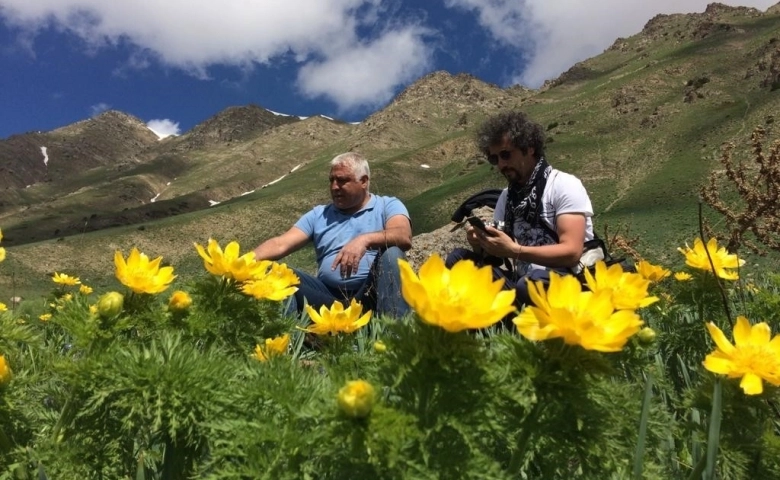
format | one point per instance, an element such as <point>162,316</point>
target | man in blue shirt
<point>358,240</point>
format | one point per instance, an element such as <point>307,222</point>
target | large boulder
<point>442,241</point>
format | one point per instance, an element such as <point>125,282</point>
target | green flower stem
<point>65,413</point>
<point>529,424</point>
<point>698,469</point>
<point>713,436</point>
<point>640,444</point>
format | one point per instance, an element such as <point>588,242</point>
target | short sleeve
<point>498,212</point>
<point>570,196</point>
<point>394,207</point>
<point>307,221</point>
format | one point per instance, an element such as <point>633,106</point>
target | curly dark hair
<point>523,133</point>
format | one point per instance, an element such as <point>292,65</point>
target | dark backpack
<point>485,198</point>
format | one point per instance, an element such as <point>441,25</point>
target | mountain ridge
<point>641,124</point>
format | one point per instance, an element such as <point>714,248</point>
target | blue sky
<point>175,63</point>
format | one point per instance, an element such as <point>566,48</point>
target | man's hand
<point>348,259</point>
<point>495,242</point>
<point>472,237</point>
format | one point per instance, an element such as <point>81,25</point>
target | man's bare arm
<point>282,245</point>
<point>565,253</point>
<point>397,233</point>
<point>568,250</point>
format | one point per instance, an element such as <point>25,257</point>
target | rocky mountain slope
<point>641,124</point>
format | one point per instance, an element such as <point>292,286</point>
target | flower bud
<point>646,336</point>
<point>110,304</point>
<point>5,372</point>
<point>380,347</point>
<point>180,301</point>
<point>356,398</point>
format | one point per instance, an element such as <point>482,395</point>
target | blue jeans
<point>519,284</point>
<point>381,292</point>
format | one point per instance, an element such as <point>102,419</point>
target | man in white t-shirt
<point>544,215</point>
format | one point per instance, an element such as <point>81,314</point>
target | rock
<point>441,241</point>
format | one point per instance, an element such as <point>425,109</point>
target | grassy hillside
<point>641,125</point>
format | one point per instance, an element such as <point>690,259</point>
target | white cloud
<point>195,34</point>
<point>98,108</point>
<point>163,128</point>
<point>366,76</point>
<point>554,35</point>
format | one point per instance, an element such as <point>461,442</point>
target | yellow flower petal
<point>64,279</point>
<point>587,319</point>
<point>140,275</point>
<point>337,319</point>
<point>699,257</point>
<point>463,297</point>
<point>751,384</point>
<point>230,264</point>
<point>754,357</point>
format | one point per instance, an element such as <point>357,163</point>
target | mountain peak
<point>111,119</point>
<point>237,123</point>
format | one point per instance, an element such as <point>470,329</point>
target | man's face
<point>515,166</point>
<point>348,193</point>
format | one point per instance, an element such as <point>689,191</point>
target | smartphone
<point>477,222</point>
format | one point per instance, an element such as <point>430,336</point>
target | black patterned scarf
<point>525,201</point>
<point>522,217</point>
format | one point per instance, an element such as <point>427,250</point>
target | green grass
<point>644,178</point>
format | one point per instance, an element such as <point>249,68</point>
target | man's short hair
<point>356,162</point>
<point>522,131</point>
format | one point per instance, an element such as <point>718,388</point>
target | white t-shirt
<point>564,193</point>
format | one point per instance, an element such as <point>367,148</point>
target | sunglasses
<point>504,154</point>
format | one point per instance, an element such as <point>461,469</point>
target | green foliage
<point>151,393</point>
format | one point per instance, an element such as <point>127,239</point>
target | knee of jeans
<point>455,256</point>
<point>522,297</point>
<point>391,256</point>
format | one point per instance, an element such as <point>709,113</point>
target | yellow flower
<point>273,347</point>
<point>45,317</point>
<point>580,318</point>
<point>66,298</point>
<point>3,307</point>
<point>682,276</point>
<point>5,371</point>
<point>64,279</point>
<point>229,264</point>
<point>654,273</point>
<point>356,398</point>
<point>337,319</point>
<point>110,304</point>
<point>753,356</point>
<point>93,309</point>
<point>465,297</point>
<point>2,254</point>
<point>85,290</point>
<point>696,257</point>
<point>180,301</point>
<point>141,275</point>
<point>628,290</point>
<point>275,282</point>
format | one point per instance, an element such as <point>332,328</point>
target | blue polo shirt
<point>330,229</point>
